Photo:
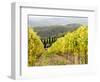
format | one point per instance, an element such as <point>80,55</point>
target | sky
<point>51,20</point>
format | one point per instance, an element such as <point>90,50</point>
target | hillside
<point>54,30</point>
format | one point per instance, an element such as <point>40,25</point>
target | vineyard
<point>71,48</point>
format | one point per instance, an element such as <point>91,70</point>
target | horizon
<point>39,21</point>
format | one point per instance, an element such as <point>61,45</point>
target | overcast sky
<point>49,20</point>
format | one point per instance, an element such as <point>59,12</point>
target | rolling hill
<point>55,30</point>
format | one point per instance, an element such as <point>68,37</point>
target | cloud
<point>49,20</point>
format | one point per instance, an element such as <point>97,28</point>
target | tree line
<point>48,41</point>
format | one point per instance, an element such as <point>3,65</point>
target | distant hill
<point>55,30</point>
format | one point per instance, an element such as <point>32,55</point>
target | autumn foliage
<point>73,45</point>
